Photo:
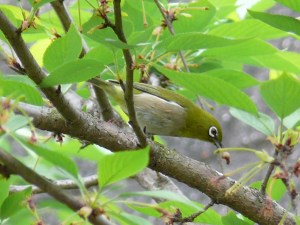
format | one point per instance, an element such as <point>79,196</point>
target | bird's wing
<point>159,92</point>
<point>163,93</point>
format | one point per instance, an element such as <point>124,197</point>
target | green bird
<point>163,112</point>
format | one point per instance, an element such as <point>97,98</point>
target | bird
<point>161,111</point>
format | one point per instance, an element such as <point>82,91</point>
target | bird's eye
<point>213,132</point>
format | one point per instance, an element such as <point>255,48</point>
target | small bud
<point>226,157</point>
<point>25,25</point>
<point>31,204</point>
<point>58,137</point>
<point>157,31</point>
<point>264,156</point>
<point>33,138</point>
<point>296,169</point>
<point>282,176</point>
<point>85,211</point>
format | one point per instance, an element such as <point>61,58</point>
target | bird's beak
<point>218,144</point>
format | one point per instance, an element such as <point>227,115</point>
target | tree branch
<point>194,215</point>
<point>172,31</point>
<point>118,29</point>
<point>105,106</point>
<point>14,166</point>
<point>34,71</point>
<point>151,180</point>
<point>268,174</point>
<point>249,202</point>
<point>62,13</point>
<point>92,130</point>
<point>62,184</point>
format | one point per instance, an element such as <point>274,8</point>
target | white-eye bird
<point>163,112</point>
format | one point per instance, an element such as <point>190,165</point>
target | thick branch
<point>16,167</point>
<point>92,130</point>
<point>118,28</point>
<point>249,202</point>
<point>34,71</point>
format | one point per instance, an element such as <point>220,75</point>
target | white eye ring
<point>213,132</point>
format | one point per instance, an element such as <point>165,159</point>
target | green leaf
<point>285,23</point>
<point>292,4</point>
<point>14,203</point>
<point>122,45</point>
<point>293,120</point>
<point>37,4</point>
<point>5,143</point>
<point>185,24</point>
<point>38,49</point>
<point>260,122</point>
<point>15,122</point>
<point>208,217</point>
<point>250,28</point>
<point>63,50</point>
<point>196,40</point>
<point>276,191</point>
<point>253,47</point>
<point>148,211</point>
<point>129,219</point>
<point>4,190</point>
<point>232,219</point>
<point>238,79</point>
<point>297,218</point>
<point>168,195</point>
<point>16,86</point>
<point>102,54</point>
<point>285,61</point>
<point>282,95</point>
<point>56,158</point>
<point>212,88</point>
<point>72,72</point>
<point>121,165</point>
<point>13,13</point>
<point>263,5</point>
<point>133,10</point>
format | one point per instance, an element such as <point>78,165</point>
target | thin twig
<point>62,184</point>
<point>118,29</point>
<point>192,217</point>
<point>269,173</point>
<point>172,31</point>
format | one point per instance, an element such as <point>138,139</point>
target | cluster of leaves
<point>216,42</point>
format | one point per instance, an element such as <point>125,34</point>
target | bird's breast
<point>159,116</point>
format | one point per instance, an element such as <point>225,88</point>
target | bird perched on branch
<point>160,111</point>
